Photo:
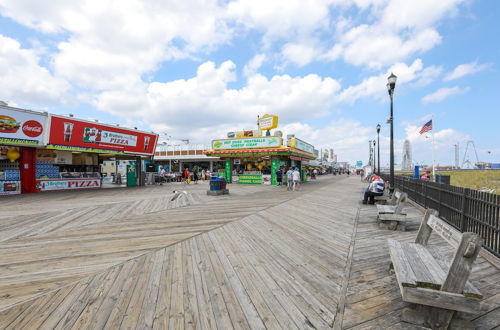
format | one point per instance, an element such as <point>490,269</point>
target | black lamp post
<point>390,88</point>
<point>378,148</point>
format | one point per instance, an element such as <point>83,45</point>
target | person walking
<point>185,176</point>
<point>296,179</point>
<point>279,176</point>
<point>289,179</point>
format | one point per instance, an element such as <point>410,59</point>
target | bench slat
<point>423,265</point>
<point>386,208</point>
<point>469,290</point>
<point>402,268</point>
<point>446,231</point>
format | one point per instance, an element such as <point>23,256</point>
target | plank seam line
<point>339,317</point>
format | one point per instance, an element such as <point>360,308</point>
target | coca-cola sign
<point>22,127</point>
<point>32,128</point>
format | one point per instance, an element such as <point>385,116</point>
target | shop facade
<point>255,160</point>
<point>84,154</point>
<point>22,132</point>
<point>42,152</point>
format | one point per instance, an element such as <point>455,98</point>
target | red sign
<point>92,137</point>
<point>32,128</point>
<point>54,185</point>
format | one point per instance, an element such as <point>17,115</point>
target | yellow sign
<point>268,122</point>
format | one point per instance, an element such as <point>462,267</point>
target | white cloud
<point>465,69</point>
<point>443,93</point>
<point>428,75</point>
<point>300,53</point>
<point>375,86</point>
<point>399,30</point>
<point>254,64</point>
<point>111,45</point>
<point>205,100</point>
<point>375,47</point>
<point>347,137</point>
<point>23,80</point>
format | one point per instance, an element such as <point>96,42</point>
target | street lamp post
<point>378,148</point>
<point>370,159</point>
<point>391,85</point>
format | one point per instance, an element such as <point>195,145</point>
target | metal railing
<point>463,208</point>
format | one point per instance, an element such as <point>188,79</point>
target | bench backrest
<point>467,247</point>
<point>400,201</point>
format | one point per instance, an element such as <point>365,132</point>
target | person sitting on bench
<point>376,188</point>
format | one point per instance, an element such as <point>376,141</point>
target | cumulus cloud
<point>443,93</point>
<point>375,86</point>
<point>254,64</point>
<point>465,69</point>
<point>23,80</point>
<point>206,100</point>
<point>400,30</point>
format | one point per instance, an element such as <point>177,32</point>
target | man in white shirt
<point>376,188</point>
<point>296,178</point>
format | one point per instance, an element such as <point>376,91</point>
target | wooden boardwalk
<point>259,258</point>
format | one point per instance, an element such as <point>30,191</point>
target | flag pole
<point>433,152</point>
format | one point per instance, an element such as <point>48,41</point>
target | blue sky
<point>200,69</point>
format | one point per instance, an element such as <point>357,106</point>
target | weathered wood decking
<point>261,257</point>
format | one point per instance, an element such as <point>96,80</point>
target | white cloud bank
<point>22,79</point>
<point>443,93</point>
<point>465,69</point>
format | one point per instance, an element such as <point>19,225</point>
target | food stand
<point>253,158</point>
<point>77,149</point>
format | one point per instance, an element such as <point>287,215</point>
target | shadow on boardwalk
<point>261,257</point>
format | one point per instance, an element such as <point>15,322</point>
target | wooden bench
<point>386,199</point>
<point>438,287</point>
<point>392,216</point>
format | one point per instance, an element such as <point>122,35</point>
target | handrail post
<point>463,225</point>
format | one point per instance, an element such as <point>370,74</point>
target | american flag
<point>427,127</point>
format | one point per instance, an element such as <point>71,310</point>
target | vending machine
<point>131,175</point>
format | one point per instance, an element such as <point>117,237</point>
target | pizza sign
<point>95,135</point>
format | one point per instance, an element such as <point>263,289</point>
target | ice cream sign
<point>95,135</point>
<point>248,143</point>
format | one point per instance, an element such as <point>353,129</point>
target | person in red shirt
<point>185,176</point>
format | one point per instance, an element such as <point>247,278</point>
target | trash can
<point>222,183</point>
<point>214,183</point>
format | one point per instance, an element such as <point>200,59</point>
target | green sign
<point>275,165</point>
<point>247,143</point>
<point>299,144</point>
<point>19,142</point>
<point>70,148</point>
<point>228,171</point>
<point>250,178</point>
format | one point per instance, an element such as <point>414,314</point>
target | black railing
<point>463,208</point>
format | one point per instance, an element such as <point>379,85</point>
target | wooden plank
<point>404,272</point>
<point>442,299</point>
<point>424,231</point>
<point>447,232</point>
